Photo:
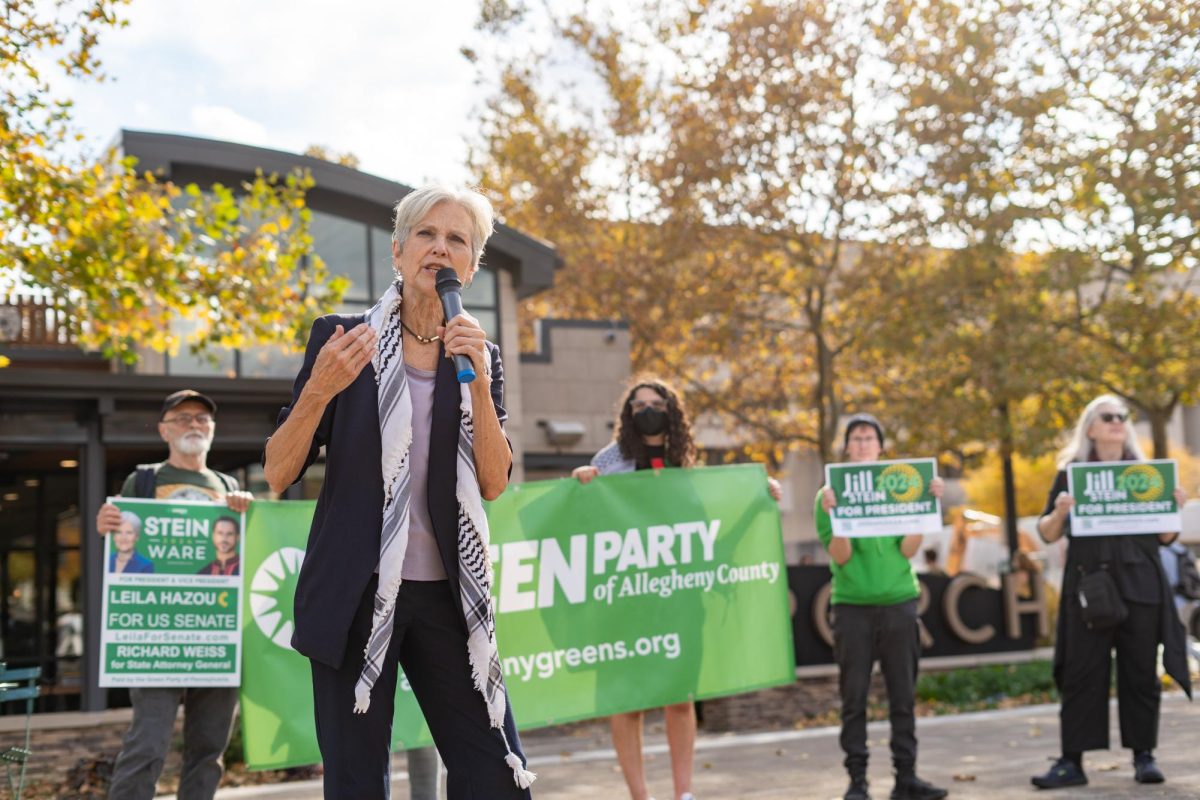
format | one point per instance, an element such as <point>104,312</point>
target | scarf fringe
<point>521,776</point>
<point>362,698</point>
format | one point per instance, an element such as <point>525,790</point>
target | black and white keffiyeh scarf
<point>474,564</point>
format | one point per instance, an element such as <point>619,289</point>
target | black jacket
<point>343,544</point>
<point>1134,564</point>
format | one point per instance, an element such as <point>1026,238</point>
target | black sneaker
<point>910,787</point>
<point>1065,772</point>
<point>1145,770</point>
<point>857,790</point>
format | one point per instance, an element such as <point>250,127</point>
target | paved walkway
<point>988,755</point>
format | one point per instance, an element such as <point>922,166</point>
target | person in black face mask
<point>652,432</point>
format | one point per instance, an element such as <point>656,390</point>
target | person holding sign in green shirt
<point>874,604</point>
<point>1083,651</point>
<point>652,431</point>
<point>187,426</point>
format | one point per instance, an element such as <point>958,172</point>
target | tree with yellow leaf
<point>128,253</point>
<point>1125,240</point>
<point>976,214</point>
<point>726,197</point>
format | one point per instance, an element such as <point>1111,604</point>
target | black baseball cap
<point>861,419</point>
<point>184,396</point>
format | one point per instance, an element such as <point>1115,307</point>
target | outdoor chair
<point>17,685</point>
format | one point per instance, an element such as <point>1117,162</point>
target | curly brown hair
<point>680,446</point>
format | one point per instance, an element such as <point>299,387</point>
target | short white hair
<point>134,521</point>
<point>416,204</point>
<point>1081,447</point>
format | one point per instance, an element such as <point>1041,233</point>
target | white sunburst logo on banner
<point>275,581</point>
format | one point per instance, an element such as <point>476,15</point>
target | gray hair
<point>134,520</point>
<point>416,204</point>
<point>1081,447</point>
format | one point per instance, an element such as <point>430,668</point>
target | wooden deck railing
<point>34,318</point>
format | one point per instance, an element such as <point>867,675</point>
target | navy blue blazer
<point>343,543</point>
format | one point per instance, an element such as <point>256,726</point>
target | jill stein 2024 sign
<point>884,498</point>
<point>172,595</point>
<point>1120,497</point>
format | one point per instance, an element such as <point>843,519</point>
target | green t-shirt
<point>181,484</point>
<point>877,573</point>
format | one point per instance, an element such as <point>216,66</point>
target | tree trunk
<point>1010,483</point>
<point>1159,419</point>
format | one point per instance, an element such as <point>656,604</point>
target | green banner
<point>884,498</point>
<point>1122,497</point>
<point>276,697</point>
<point>631,592</point>
<point>171,608</point>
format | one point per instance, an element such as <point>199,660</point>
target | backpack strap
<point>145,480</point>
<point>231,484</point>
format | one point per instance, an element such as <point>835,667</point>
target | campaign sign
<point>884,498</point>
<point>635,591</point>
<point>1121,497</point>
<point>172,595</point>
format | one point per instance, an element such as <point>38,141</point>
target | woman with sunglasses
<point>1083,655</point>
<point>652,431</point>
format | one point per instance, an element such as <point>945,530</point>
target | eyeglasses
<point>186,420</point>
<point>638,405</point>
<point>1109,416</point>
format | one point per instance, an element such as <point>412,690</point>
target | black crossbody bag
<point>1100,601</point>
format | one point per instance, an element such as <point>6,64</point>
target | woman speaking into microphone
<point>396,570</point>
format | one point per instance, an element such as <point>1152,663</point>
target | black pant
<point>430,641</point>
<point>862,634</point>
<point>1087,675</point>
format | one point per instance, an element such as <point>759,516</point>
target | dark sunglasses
<point>1108,416</point>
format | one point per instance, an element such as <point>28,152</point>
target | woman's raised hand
<point>462,336</point>
<point>341,359</point>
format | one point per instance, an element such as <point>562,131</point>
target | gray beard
<point>192,446</point>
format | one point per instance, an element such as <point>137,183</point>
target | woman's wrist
<point>311,394</point>
<point>481,387</point>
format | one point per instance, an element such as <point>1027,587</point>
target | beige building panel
<point>510,353</point>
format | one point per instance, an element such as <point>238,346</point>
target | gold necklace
<point>419,337</point>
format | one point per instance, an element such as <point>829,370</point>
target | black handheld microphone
<point>449,289</point>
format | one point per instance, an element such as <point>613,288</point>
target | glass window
<point>488,321</point>
<point>381,259</point>
<point>186,363</point>
<point>270,362</point>
<point>342,243</point>
<point>482,291</point>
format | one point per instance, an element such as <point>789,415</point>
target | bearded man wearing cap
<point>874,607</point>
<point>186,423</point>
